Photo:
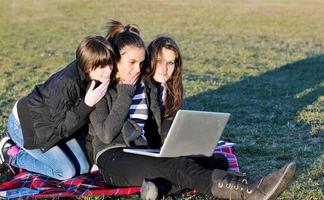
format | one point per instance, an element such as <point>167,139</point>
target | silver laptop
<point>192,133</point>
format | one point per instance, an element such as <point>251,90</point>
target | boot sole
<point>3,142</point>
<point>283,182</point>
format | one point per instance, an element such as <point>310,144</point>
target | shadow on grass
<point>264,111</point>
<point>281,93</point>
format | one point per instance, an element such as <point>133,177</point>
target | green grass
<point>262,61</point>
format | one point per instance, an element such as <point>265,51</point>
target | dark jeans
<point>125,169</point>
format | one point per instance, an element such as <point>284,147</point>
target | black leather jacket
<point>55,109</point>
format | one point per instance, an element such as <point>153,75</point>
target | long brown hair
<point>174,88</point>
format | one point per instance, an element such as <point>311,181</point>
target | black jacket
<point>108,119</point>
<point>55,109</point>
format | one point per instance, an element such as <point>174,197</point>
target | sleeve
<point>68,111</point>
<point>130,131</point>
<point>107,124</point>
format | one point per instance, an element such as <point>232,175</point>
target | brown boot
<point>237,187</point>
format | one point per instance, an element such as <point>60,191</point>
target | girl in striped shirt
<point>153,101</point>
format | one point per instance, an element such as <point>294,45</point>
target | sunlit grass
<point>262,61</point>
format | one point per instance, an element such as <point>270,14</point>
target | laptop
<point>192,133</point>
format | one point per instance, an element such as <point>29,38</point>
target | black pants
<point>125,169</point>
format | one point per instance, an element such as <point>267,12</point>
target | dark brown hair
<point>94,52</point>
<point>174,87</point>
<point>120,36</point>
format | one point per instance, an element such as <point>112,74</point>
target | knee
<point>84,168</point>
<point>65,173</point>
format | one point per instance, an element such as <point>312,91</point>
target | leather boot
<point>237,187</point>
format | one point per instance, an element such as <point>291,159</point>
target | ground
<point>262,61</point>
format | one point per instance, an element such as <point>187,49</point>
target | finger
<point>102,85</point>
<point>93,84</point>
<point>104,89</point>
<point>108,80</point>
<point>102,94</point>
<point>107,83</point>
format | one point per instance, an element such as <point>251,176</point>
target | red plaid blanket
<point>89,184</point>
<point>227,149</point>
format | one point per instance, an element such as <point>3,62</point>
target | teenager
<point>130,115</point>
<point>43,124</point>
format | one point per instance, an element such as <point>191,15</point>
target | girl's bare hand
<point>93,96</point>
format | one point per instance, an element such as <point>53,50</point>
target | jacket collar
<point>81,75</point>
<point>153,102</point>
<point>149,84</point>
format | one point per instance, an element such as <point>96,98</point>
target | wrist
<point>89,104</point>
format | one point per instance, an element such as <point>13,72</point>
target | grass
<point>262,61</point>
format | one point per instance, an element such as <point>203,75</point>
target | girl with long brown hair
<point>136,113</point>
<point>166,68</point>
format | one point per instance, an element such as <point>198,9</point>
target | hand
<point>93,96</point>
<point>131,80</point>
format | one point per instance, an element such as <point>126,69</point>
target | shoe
<point>236,187</point>
<point>155,189</point>
<point>7,150</point>
<point>149,191</point>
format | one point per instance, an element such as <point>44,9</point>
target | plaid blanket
<point>227,149</point>
<point>89,184</point>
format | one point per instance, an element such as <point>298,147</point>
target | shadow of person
<point>274,116</point>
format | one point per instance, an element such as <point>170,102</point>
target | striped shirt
<point>138,110</point>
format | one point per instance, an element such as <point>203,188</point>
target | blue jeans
<point>59,162</point>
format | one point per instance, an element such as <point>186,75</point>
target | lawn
<point>262,61</point>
